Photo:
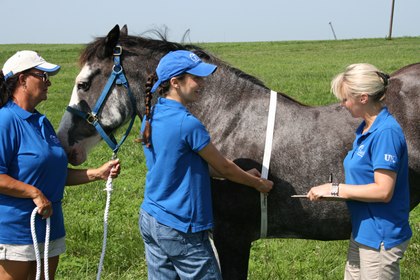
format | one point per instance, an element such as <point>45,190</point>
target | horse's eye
<point>83,86</point>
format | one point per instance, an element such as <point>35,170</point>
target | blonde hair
<point>358,79</point>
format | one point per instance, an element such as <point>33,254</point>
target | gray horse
<point>309,142</point>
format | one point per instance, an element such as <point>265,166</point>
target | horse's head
<point>77,131</point>
<point>138,57</point>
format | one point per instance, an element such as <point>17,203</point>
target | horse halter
<point>118,77</point>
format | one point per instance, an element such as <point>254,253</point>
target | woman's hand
<point>265,186</point>
<point>318,192</point>
<point>43,204</point>
<point>111,168</point>
<point>82,176</point>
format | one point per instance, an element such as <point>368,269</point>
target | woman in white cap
<point>33,168</point>
<point>176,212</point>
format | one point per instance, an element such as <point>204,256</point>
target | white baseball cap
<point>24,60</point>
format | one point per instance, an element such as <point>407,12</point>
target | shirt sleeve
<point>195,133</point>
<point>388,149</point>
<point>7,148</point>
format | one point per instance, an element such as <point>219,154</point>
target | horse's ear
<point>111,41</point>
<point>124,30</point>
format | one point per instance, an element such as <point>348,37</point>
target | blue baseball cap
<point>176,63</point>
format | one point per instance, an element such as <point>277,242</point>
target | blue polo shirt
<point>382,147</point>
<point>177,192</point>
<point>30,152</point>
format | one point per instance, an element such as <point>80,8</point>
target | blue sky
<point>77,21</point>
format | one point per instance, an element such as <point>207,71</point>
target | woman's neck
<point>23,102</point>
<point>370,116</point>
<point>174,95</point>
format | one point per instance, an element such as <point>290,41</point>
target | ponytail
<point>162,90</point>
<point>7,88</point>
<point>148,104</point>
<point>2,90</point>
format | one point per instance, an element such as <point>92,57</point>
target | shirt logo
<point>360,151</point>
<point>54,139</point>
<point>390,158</point>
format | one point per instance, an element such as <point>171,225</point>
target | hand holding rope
<point>108,189</point>
<point>46,246</point>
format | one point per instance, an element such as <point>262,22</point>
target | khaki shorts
<point>13,252</point>
<point>367,263</point>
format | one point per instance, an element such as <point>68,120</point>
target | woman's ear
<point>22,79</point>
<point>364,98</point>
<point>174,82</point>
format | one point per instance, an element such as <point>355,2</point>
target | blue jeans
<point>171,254</point>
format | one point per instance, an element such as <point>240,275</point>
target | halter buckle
<point>117,50</point>
<point>91,118</point>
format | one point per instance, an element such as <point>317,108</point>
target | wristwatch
<point>335,189</point>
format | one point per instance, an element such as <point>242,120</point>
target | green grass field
<point>301,69</point>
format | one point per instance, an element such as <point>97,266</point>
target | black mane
<point>156,47</point>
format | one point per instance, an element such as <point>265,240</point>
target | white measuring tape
<point>36,248</point>
<point>266,160</point>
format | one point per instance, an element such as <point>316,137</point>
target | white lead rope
<point>266,160</point>
<point>36,248</point>
<point>108,190</point>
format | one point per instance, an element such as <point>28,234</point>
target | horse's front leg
<point>233,251</point>
<point>236,211</point>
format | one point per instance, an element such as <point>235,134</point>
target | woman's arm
<point>229,170</point>
<point>12,187</point>
<point>381,190</point>
<point>83,176</point>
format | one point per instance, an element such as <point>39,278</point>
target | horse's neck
<point>235,112</point>
<point>225,99</point>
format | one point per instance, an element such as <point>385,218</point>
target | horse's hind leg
<point>233,254</point>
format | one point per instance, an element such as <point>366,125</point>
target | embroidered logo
<point>194,57</point>
<point>54,139</point>
<point>390,158</point>
<point>360,151</point>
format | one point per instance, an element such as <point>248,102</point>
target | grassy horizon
<point>300,69</point>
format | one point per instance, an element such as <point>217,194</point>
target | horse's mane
<point>402,70</point>
<point>132,44</point>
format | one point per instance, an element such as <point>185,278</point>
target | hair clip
<point>384,77</point>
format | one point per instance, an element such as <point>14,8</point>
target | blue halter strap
<point>118,77</point>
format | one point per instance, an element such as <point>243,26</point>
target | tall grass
<point>301,69</point>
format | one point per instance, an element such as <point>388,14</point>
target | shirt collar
<point>23,114</point>
<point>382,116</point>
<point>171,103</point>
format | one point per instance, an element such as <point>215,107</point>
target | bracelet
<point>335,189</point>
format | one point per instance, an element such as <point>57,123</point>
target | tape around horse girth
<point>266,160</point>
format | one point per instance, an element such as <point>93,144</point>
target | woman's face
<point>37,83</point>
<point>354,105</point>
<point>189,88</point>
